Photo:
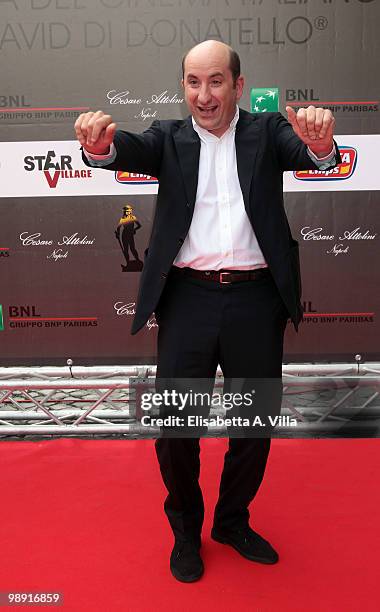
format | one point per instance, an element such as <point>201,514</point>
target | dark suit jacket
<point>266,145</point>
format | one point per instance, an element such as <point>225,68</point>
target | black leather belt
<point>222,276</point>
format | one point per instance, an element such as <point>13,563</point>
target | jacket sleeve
<point>290,150</point>
<point>137,152</point>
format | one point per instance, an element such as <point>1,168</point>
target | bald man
<point>222,270</point>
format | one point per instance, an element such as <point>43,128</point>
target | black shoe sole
<point>224,540</point>
<point>191,578</point>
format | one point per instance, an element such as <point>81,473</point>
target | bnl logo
<point>18,312</point>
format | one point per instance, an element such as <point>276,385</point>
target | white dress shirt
<point>220,234</point>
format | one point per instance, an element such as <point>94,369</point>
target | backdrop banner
<point>70,267</point>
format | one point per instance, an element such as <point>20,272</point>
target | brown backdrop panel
<point>66,288</point>
<point>338,233</point>
<point>62,58</point>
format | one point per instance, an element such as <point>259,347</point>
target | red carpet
<point>85,518</point>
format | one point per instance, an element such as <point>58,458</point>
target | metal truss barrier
<point>325,399</point>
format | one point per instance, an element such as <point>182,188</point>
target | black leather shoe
<point>185,561</point>
<point>248,543</point>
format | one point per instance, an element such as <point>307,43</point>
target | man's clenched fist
<point>315,127</point>
<point>95,132</point>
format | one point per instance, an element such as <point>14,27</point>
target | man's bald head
<point>213,85</point>
<point>212,45</point>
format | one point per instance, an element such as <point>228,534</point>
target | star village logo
<point>55,167</point>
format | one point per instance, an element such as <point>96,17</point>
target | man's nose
<point>204,94</point>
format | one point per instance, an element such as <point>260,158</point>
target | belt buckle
<point>223,282</point>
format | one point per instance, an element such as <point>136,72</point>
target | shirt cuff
<point>325,162</point>
<point>101,160</point>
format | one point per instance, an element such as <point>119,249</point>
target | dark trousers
<point>202,324</point>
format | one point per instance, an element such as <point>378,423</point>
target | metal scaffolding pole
<point>106,400</point>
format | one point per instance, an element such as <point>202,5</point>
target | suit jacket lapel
<point>246,140</point>
<point>188,148</point>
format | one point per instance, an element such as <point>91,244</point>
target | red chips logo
<point>134,178</point>
<point>341,172</point>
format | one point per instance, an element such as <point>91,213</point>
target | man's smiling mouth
<point>209,110</point>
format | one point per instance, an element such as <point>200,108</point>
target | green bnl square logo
<point>1,319</point>
<point>264,99</point>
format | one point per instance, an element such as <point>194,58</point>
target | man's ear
<point>183,84</point>
<point>239,86</point>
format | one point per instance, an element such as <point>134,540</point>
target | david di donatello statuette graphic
<point>125,235</point>
<point>222,270</point>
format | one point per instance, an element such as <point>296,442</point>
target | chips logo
<point>341,172</point>
<point>135,178</point>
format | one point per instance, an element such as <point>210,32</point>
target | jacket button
<point>163,275</point>
<point>181,241</point>
<point>188,204</point>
